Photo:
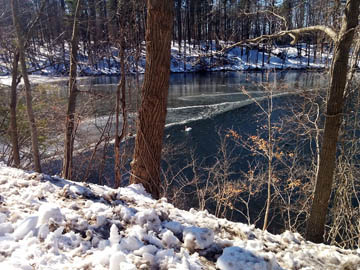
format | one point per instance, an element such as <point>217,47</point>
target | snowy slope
<point>51,223</point>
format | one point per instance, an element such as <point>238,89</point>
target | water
<point>207,102</point>
<point>210,103</point>
<point>195,99</point>
<point>192,96</point>
<point>191,89</point>
<point>198,95</point>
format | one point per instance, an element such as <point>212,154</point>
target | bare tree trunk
<point>316,223</point>
<point>13,132</point>
<point>28,96</point>
<point>93,41</point>
<point>120,103</point>
<point>92,22</point>
<point>179,22</point>
<point>270,154</point>
<point>145,167</point>
<point>72,95</point>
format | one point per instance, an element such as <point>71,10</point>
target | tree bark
<point>13,132</point>
<point>145,167</point>
<point>316,223</point>
<point>28,96</point>
<point>72,95</point>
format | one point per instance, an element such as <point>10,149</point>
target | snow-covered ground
<point>190,59</point>
<point>51,223</point>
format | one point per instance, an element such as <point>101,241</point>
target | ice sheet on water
<point>187,115</point>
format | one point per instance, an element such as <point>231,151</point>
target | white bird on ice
<point>187,129</point>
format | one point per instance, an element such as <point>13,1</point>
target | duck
<point>187,129</point>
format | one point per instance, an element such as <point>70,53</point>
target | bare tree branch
<point>266,12</point>
<point>294,34</point>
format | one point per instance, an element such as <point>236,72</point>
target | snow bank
<point>51,223</point>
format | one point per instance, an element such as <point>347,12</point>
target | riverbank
<point>184,59</point>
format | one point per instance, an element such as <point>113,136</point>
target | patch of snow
<point>27,226</point>
<point>149,220</point>
<point>198,238</point>
<point>175,227</point>
<point>47,212</point>
<point>236,258</point>
<point>6,228</point>
<point>114,235</point>
<point>169,239</point>
<point>116,259</point>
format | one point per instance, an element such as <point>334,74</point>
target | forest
<point>103,25</point>
<point>305,174</point>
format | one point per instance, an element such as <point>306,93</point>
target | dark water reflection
<point>190,89</point>
<point>193,98</point>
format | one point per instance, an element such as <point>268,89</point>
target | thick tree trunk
<point>72,95</point>
<point>28,96</point>
<point>317,219</point>
<point>13,132</point>
<point>145,167</point>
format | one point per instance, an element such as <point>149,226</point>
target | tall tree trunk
<point>120,104</point>
<point>179,22</point>
<point>92,23</point>
<point>72,95</point>
<point>13,132</point>
<point>246,22</point>
<point>112,21</point>
<point>62,3</point>
<point>145,167</point>
<point>225,22</point>
<point>28,96</point>
<point>188,24</point>
<point>103,27</point>
<point>317,219</point>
